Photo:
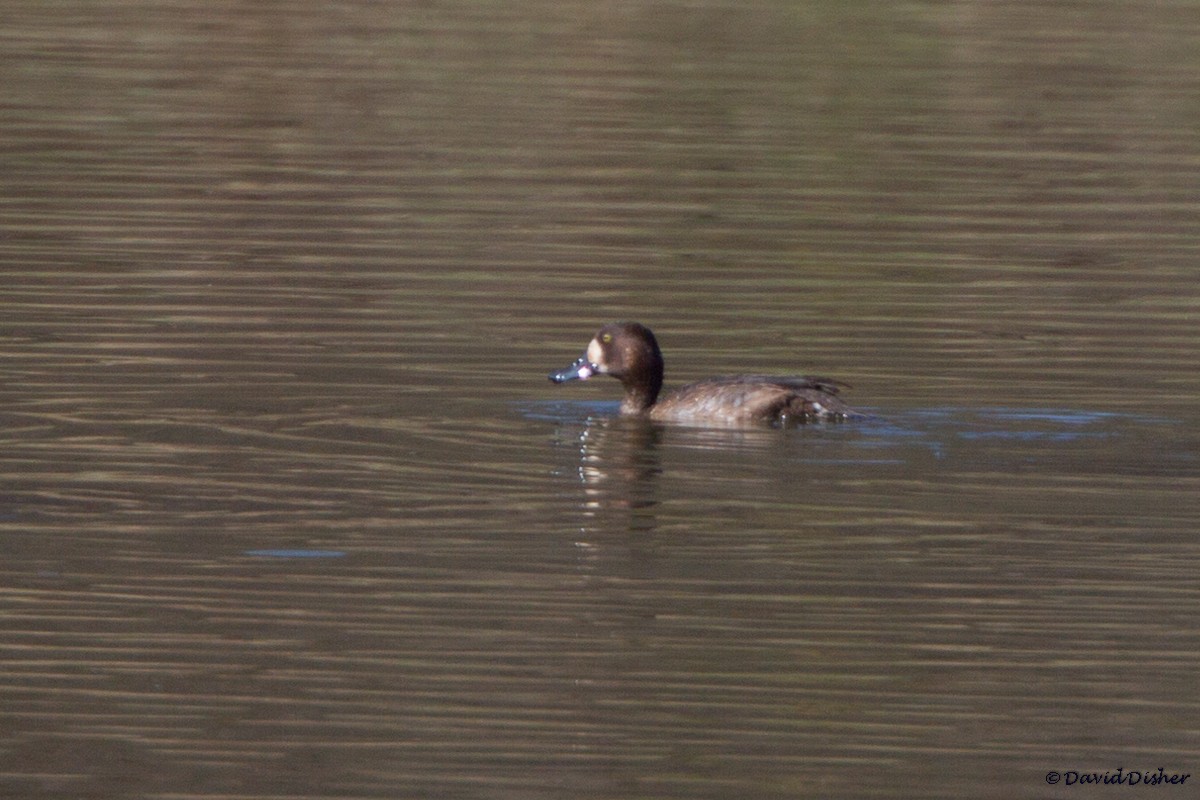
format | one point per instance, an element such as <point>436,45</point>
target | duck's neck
<point>642,388</point>
<point>636,402</point>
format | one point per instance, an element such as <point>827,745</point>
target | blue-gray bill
<point>580,370</point>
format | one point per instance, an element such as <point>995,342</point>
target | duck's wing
<point>797,382</point>
<point>755,398</point>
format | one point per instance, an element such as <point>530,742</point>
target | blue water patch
<point>994,434</point>
<point>569,410</point>
<point>1029,436</point>
<point>295,553</point>
<point>1019,424</point>
<point>1056,415</point>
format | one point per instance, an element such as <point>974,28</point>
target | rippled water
<point>289,509</point>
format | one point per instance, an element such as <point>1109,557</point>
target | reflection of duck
<point>619,464</point>
<point>628,352</point>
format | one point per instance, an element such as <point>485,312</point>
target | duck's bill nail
<point>581,370</point>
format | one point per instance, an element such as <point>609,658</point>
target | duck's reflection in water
<point>619,464</point>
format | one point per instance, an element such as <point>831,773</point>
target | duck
<point>629,352</point>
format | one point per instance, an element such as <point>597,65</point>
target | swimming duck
<point>629,352</point>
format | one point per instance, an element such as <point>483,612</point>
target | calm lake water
<point>288,508</point>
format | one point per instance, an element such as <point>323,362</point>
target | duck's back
<point>738,399</point>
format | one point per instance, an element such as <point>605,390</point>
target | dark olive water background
<point>289,510</point>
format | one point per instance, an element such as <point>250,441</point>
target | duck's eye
<point>606,338</point>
